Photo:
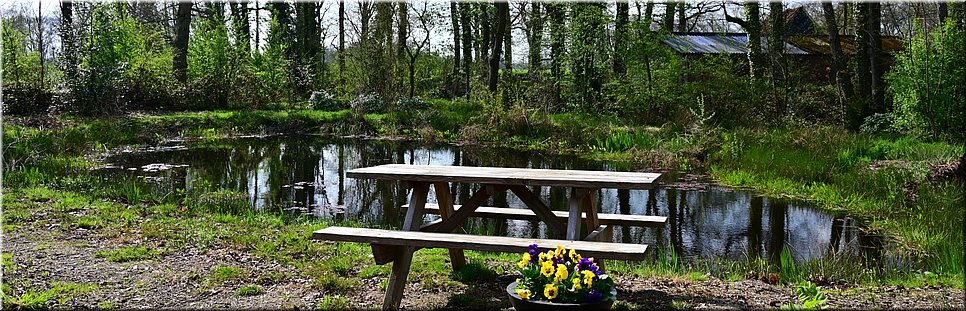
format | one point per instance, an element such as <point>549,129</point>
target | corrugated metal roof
<point>718,44</point>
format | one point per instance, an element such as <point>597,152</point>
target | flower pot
<point>520,304</point>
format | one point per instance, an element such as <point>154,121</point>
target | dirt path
<point>46,255</point>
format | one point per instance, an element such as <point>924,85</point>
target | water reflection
<point>307,175</point>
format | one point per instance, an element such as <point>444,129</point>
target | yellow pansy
<point>562,273</point>
<point>574,256</point>
<point>543,257</point>
<point>560,251</point>
<point>524,293</point>
<point>547,269</point>
<point>550,291</point>
<point>577,286</point>
<point>524,261</point>
<point>588,277</point>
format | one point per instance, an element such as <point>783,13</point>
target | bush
<point>411,104</point>
<point>928,84</point>
<point>369,103</point>
<point>880,123</point>
<point>322,100</point>
<point>26,100</point>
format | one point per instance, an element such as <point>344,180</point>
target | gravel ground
<point>181,280</point>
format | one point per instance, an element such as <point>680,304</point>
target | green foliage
<point>132,253</point>
<point>20,64</point>
<point>322,100</point>
<point>879,123</point>
<point>225,273</point>
<point>810,296</point>
<point>211,64</point>
<point>369,103</point>
<point>249,290</point>
<point>928,80</point>
<point>123,67</point>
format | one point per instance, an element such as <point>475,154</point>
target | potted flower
<point>560,279</point>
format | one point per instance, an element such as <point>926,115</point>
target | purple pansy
<point>594,296</point>
<point>586,264</point>
<point>534,252</point>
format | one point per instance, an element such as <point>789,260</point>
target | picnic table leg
<point>445,201</point>
<point>404,257</point>
<point>589,207</point>
<point>576,207</point>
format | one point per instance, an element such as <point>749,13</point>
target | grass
<point>48,173</point>
<point>225,273</point>
<point>34,298</point>
<point>249,290</point>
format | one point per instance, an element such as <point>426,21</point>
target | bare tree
<point>426,19</point>
<point>839,70</point>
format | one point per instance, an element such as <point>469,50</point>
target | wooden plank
<point>527,214</point>
<point>445,200</point>
<point>539,209</point>
<point>509,176</point>
<point>598,234</point>
<point>475,242</point>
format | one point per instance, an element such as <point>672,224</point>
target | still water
<point>306,175</point>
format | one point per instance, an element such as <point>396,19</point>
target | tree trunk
<point>308,44</point>
<point>507,43</point>
<point>534,40</point>
<point>467,30</point>
<point>499,30</point>
<point>839,70</point>
<point>682,18</point>
<point>486,35</point>
<point>863,73</point>
<point>753,28</point>
<point>341,59</point>
<point>454,19</point>
<point>181,30</point>
<point>403,35</point>
<point>41,47</point>
<point>620,38</point>
<point>68,48</point>
<point>668,22</point>
<point>557,33</point>
<point>943,11</point>
<point>776,50</point>
<point>649,14</point>
<point>875,57</point>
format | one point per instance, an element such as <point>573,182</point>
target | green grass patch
<point>125,254</point>
<point>225,273</point>
<point>249,290</point>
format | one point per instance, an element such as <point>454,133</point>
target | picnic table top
<point>508,176</point>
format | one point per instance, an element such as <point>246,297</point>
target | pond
<point>305,175</point>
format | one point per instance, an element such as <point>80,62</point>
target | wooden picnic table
<point>398,247</point>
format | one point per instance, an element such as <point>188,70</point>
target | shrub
<point>411,104</point>
<point>928,81</point>
<point>879,123</point>
<point>322,100</point>
<point>369,103</point>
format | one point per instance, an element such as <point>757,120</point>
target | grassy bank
<point>883,180</point>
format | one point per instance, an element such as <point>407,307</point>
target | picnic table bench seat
<point>419,239</point>
<point>528,214</point>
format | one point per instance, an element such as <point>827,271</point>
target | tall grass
<point>883,181</point>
